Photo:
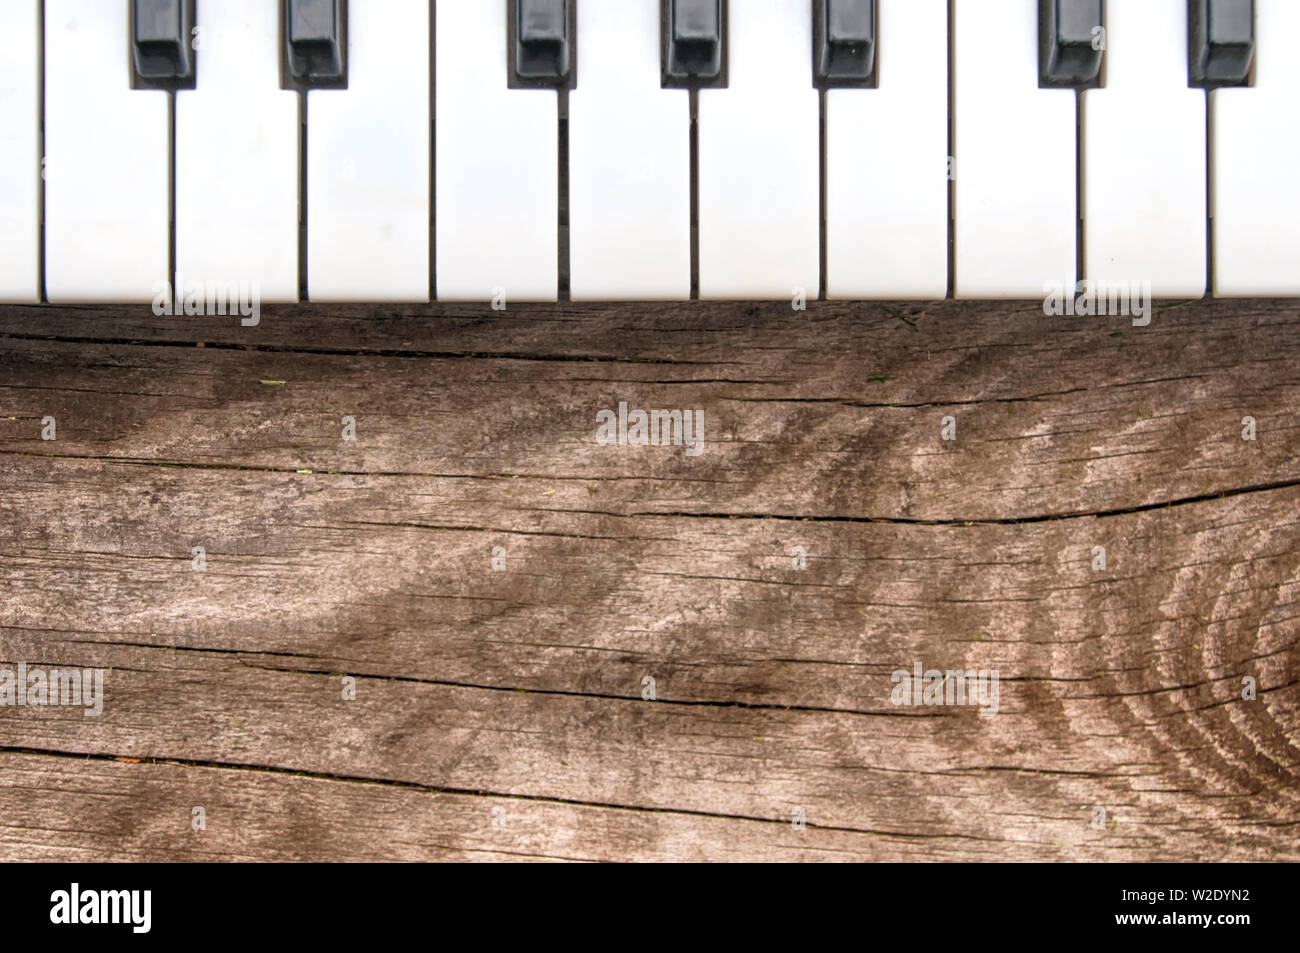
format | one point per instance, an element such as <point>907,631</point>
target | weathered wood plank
<point>1171,785</point>
<point>326,570</point>
<point>833,419</point>
<point>1121,687</point>
<point>109,810</point>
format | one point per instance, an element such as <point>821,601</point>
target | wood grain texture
<point>522,690</point>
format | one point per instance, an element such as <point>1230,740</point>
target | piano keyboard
<point>535,150</point>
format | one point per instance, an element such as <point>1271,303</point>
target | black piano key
<point>315,47</point>
<point>844,43</point>
<point>1070,44</point>
<point>694,36</point>
<point>542,42</point>
<point>162,56</point>
<point>1220,42</point>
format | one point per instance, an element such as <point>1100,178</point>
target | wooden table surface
<point>500,713</point>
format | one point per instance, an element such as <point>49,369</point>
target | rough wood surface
<point>515,696</point>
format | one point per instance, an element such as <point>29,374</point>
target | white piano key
<point>368,162</point>
<point>106,161</point>
<point>629,162</point>
<point>20,160</point>
<point>887,164</point>
<point>1144,156</point>
<point>1015,206</point>
<point>497,165</point>
<point>1256,195</point>
<point>237,138</point>
<point>759,176</point>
